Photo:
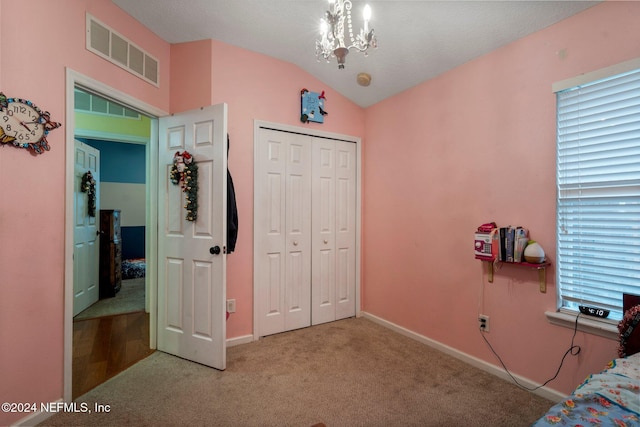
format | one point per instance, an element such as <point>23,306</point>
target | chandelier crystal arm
<point>332,41</point>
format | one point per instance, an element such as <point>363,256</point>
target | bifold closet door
<point>333,275</point>
<point>282,231</point>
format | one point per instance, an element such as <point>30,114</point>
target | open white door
<point>191,254</point>
<point>86,250</point>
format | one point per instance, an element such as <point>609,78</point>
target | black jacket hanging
<point>232,211</point>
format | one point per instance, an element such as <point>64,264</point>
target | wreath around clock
<point>88,186</point>
<point>184,172</point>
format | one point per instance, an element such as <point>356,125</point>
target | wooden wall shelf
<point>542,270</point>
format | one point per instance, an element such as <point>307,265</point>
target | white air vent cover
<point>107,43</point>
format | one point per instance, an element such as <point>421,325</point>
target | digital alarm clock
<point>594,311</point>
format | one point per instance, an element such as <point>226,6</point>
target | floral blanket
<point>609,398</point>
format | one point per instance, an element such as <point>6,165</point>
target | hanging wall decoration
<point>312,106</point>
<point>184,172</point>
<point>88,185</point>
<point>24,125</point>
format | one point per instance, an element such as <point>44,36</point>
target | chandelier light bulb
<point>324,27</point>
<point>366,14</point>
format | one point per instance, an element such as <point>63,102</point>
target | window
<point>89,102</point>
<point>598,184</point>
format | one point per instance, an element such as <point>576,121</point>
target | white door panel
<point>324,207</point>
<point>282,232</point>
<point>86,252</point>
<point>192,276</point>
<point>345,232</point>
<point>334,231</point>
<point>269,233</point>
<point>298,226</point>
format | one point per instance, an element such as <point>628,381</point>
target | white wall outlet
<point>231,305</point>
<point>483,322</point>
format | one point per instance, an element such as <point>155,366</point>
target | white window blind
<point>598,206</point>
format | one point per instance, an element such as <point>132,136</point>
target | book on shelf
<point>512,241</point>
<point>520,242</point>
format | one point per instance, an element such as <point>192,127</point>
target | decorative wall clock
<point>24,125</point>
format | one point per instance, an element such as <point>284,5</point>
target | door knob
<point>215,250</point>
<point>295,243</point>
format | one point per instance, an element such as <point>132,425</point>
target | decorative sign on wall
<point>184,171</point>
<point>24,125</point>
<point>312,106</point>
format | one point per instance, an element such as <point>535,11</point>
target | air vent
<point>108,44</point>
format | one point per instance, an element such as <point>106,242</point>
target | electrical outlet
<point>231,305</point>
<point>483,321</point>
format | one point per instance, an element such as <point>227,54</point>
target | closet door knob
<point>326,241</point>
<point>295,243</point>
<point>215,250</point>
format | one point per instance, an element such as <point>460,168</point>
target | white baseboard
<point>546,392</point>
<point>239,340</point>
<point>35,418</point>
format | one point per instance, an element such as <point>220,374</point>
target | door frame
<point>73,79</point>
<point>257,125</point>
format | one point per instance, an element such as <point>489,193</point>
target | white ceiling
<point>417,40</point>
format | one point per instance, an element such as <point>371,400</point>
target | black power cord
<point>573,350</point>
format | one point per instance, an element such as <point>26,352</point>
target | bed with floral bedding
<point>608,398</point>
<point>612,396</point>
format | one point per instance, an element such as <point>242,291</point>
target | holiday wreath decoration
<point>184,172</point>
<point>88,186</point>
<point>630,321</point>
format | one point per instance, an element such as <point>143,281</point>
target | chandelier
<point>332,31</point>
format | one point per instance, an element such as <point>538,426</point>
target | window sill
<point>604,328</point>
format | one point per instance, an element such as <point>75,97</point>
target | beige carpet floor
<point>353,372</point>
<point>129,299</point>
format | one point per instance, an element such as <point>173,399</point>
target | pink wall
<point>447,136</point>
<point>474,145</point>
<point>32,194</point>
<point>258,87</point>
<point>190,82</point>
<point>237,77</point>
<point>32,207</point>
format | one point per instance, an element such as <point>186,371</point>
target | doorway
<point>147,332</point>
<point>118,137</point>
<point>111,330</point>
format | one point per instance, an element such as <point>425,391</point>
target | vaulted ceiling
<point>417,40</point>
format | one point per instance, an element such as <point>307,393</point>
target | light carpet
<point>352,372</point>
<point>129,299</point>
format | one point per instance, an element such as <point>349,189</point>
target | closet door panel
<point>345,229</point>
<point>298,225</point>
<point>270,232</point>
<point>305,219</point>
<point>323,224</point>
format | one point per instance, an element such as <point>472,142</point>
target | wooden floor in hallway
<point>105,346</point>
